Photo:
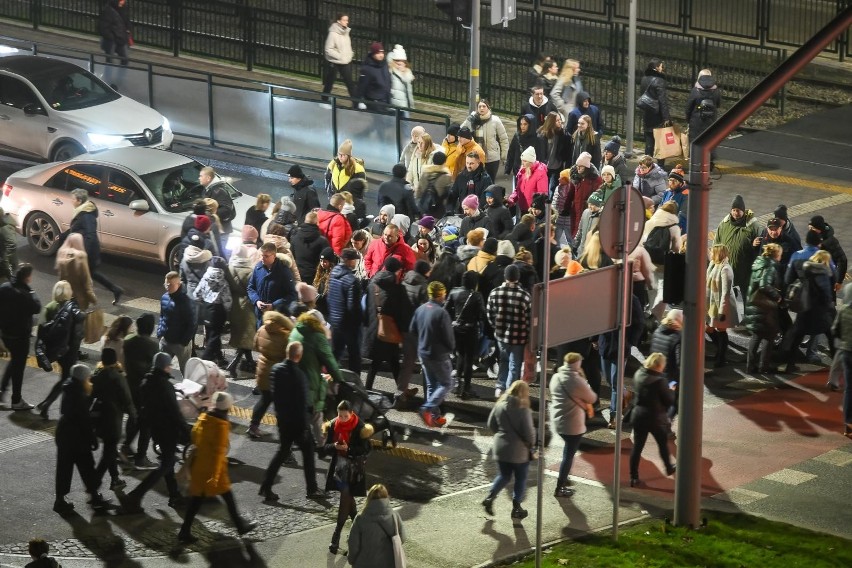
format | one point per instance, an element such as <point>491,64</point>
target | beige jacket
<point>338,45</point>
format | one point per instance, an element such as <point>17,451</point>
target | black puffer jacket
<point>374,83</point>
<point>501,218</point>
<point>18,303</point>
<point>521,142</point>
<point>832,246</point>
<point>653,398</point>
<point>75,429</point>
<point>305,197</point>
<point>654,83</point>
<point>666,340</point>
<point>307,244</point>
<point>114,23</point>
<point>160,409</point>
<point>109,385</point>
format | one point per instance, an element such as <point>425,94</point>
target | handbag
<point>646,102</point>
<point>94,326</point>
<point>388,331</point>
<point>738,303</point>
<point>667,142</point>
<point>399,560</point>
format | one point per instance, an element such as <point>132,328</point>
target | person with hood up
<point>391,244</point>
<point>75,441</point>
<point>500,217</point>
<point>702,107</point>
<point>538,106</point>
<point>343,171</point>
<point>489,132</point>
<point>679,193</point>
<point>650,179</point>
<point>271,285</point>
<point>472,181</point>
<point>654,84</point>
<point>832,245</point>
<point>370,537</point>
<point>762,311</point>
<point>333,224</point>
<point>433,187</point>
<point>571,398</point>
<point>397,192</point>
<point>584,180</point>
<point>317,355</point>
<point>382,220</point>
<point>525,137</point>
<point>374,82</point>
<point>304,194</point>
<point>270,342</point>
<point>85,222</point>
<point>344,310</point>
<point>402,79</point>
<point>338,55</point>
<point>466,308</point>
<point>567,87</point>
<point>474,218</point>
<point>556,146</point>
<point>242,318</point>
<point>589,220</point>
<point>531,180</point>
<point>307,244</point>
<point>209,468</point>
<point>8,248</point>
<point>650,414</point>
<point>610,183</point>
<point>213,295</point>
<point>613,157</point>
<point>465,145</point>
<point>737,232</point>
<point>585,107</point>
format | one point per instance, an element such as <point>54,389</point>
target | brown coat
<point>209,469</point>
<point>271,342</point>
<point>73,266</point>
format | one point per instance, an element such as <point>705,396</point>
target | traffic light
<point>459,11</point>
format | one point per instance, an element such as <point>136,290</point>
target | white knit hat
<point>608,170</point>
<point>528,155</point>
<point>585,160</point>
<point>222,400</point>
<point>398,54</point>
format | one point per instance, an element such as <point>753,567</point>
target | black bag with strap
<point>658,243</point>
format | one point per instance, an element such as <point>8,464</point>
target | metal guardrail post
<point>210,109</point>
<point>271,123</point>
<point>151,85</point>
<point>35,13</point>
<point>177,9</point>
<point>247,14</point>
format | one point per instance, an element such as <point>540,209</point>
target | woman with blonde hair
<point>653,399</point>
<point>721,309</point>
<point>423,156</point>
<point>256,214</point>
<point>514,444</point>
<point>567,87</point>
<point>72,264</point>
<point>369,540</point>
<point>818,315</point>
<point>762,312</point>
<point>585,139</point>
<point>593,256</point>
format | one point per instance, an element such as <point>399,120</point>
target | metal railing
<point>241,114</point>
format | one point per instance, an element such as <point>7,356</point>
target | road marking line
<point>144,304</point>
<point>811,206</point>
<point>739,496</point>
<point>835,457</point>
<point>790,476</point>
<point>24,440</point>
<point>746,171</point>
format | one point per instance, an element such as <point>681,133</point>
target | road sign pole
<point>542,397</point>
<point>626,290</point>
<point>631,79</point>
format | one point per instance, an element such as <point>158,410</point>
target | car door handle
<point>4,117</point>
<point>57,201</point>
<point>51,129</point>
<point>109,213</point>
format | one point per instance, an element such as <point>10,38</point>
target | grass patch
<point>728,540</point>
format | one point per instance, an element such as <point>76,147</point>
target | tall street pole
<point>473,92</point>
<point>630,95</point>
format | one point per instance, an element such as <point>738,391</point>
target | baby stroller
<point>369,405</point>
<point>200,380</point>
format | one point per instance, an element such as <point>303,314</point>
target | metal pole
<point>542,397</point>
<point>473,91</point>
<point>626,290</point>
<point>631,80</point>
<point>688,477</point>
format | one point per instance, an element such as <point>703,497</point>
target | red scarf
<point>343,430</point>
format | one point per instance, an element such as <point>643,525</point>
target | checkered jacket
<point>509,308</point>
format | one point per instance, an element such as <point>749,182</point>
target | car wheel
<point>66,151</point>
<point>42,234</point>
<point>175,251</point>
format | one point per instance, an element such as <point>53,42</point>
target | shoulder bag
<point>399,560</point>
<point>646,102</point>
<point>388,332</point>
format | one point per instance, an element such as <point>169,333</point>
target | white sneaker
<point>21,405</point>
<point>497,393</point>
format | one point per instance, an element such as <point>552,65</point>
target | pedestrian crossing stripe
<point>245,414</point>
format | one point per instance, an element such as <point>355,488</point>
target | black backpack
<point>429,200</point>
<point>658,243</point>
<point>706,110</point>
<point>797,296</point>
<point>54,336</point>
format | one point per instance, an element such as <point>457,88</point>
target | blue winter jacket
<point>344,298</point>
<point>434,329</point>
<point>271,286</point>
<point>177,318</point>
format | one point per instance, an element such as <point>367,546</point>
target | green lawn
<point>728,540</point>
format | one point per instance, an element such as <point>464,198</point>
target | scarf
<point>343,430</point>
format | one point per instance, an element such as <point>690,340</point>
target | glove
<point>667,123</point>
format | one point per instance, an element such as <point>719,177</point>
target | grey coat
<point>370,538</point>
<point>514,431</point>
<point>569,390</point>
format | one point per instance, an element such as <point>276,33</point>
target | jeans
<point>438,379</point>
<point>110,47</point>
<point>260,407</point>
<point>19,348</point>
<point>847,393</point>
<point>610,371</point>
<point>509,368</point>
<point>563,237</point>
<point>572,444</point>
<point>347,338</point>
<point>504,475</point>
<point>214,322</point>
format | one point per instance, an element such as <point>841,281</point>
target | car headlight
<point>105,140</point>
<point>166,124</point>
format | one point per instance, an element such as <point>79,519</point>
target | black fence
<point>741,40</point>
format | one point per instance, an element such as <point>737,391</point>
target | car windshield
<point>72,91</point>
<point>177,188</point>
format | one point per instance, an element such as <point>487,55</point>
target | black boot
<point>335,540</point>
<point>518,512</point>
<point>722,349</point>
<point>232,366</point>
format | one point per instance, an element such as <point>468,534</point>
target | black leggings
<point>641,429</point>
<point>383,353</point>
<point>466,352</point>
<point>195,506</point>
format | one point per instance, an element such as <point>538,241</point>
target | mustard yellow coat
<point>209,469</point>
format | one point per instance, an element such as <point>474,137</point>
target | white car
<point>54,110</point>
<point>143,196</point>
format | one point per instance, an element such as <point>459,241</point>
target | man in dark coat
<point>344,310</point>
<point>139,351</point>
<point>114,28</point>
<point>397,192</point>
<point>290,390</point>
<point>304,195</point>
<point>18,304</point>
<point>832,245</point>
<point>472,181</point>
<point>177,325</point>
<point>538,106</point>
<point>773,233</point>
<point>501,218</point>
<point>702,106</point>
<point>271,285</point>
<point>787,226</point>
<point>161,412</point>
<point>307,244</point>
<point>85,222</point>
<point>523,234</point>
<point>374,83</point>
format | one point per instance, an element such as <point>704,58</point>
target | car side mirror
<point>139,205</point>
<point>32,109</point>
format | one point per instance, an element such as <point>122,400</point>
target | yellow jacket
<point>337,180</point>
<point>209,469</point>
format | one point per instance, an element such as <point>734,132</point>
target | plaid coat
<point>509,313</point>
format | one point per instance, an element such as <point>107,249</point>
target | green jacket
<point>8,249</point>
<point>738,237</point>
<point>316,355</point>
